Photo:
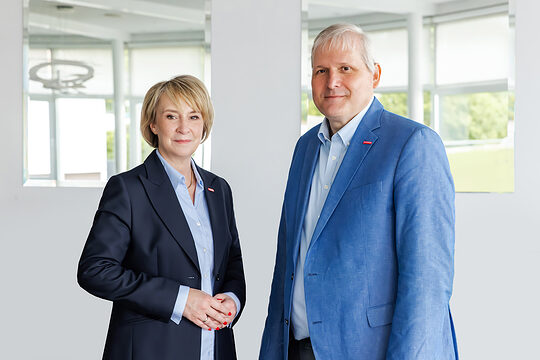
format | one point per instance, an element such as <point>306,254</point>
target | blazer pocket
<point>137,320</point>
<point>129,317</point>
<point>380,315</point>
<point>367,189</point>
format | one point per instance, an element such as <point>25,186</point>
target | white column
<point>306,66</point>
<point>134,136</point>
<point>415,98</point>
<point>207,78</point>
<point>119,124</point>
<point>256,94</point>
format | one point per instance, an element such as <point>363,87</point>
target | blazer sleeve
<point>424,206</point>
<point>234,278</point>
<point>272,340</point>
<point>101,271</point>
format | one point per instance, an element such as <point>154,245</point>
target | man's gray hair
<point>337,36</point>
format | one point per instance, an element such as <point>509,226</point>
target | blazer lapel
<point>306,175</point>
<point>163,198</point>
<point>361,142</point>
<point>215,206</point>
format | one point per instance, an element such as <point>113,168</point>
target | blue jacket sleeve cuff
<point>180,304</point>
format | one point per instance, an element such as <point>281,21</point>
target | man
<point>364,263</point>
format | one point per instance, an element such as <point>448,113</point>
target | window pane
<point>82,139</point>
<point>473,50</point>
<point>164,62</point>
<point>478,130</point>
<point>100,60</point>
<point>477,116</point>
<point>313,117</point>
<point>394,102</point>
<point>390,50</point>
<point>482,168</point>
<point>39,151</point>
<point>145,148</point>
<point>397,103</point>
<point>427,108</point>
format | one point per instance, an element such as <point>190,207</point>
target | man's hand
<point>206,311</point>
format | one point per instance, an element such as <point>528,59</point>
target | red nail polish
<point>217,328</point>
<point>225,323</point>
<point>230,314</point>
<point>209,329</point>
<point>220,299</point>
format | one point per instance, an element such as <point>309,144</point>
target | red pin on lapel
<point>210,189</point>
<point>367,142</point>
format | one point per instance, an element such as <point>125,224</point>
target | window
<point>475,107</point>
<point>467,79</point>
<point>80,60</point>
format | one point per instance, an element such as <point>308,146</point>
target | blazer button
<point>292,276</point>
<point>217,277</point>
<point>286,322</point>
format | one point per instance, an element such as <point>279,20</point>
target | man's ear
<point>376,75</point>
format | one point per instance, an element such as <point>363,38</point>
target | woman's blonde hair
<point>185,88</point>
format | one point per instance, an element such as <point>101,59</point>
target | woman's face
<point>179,129</point>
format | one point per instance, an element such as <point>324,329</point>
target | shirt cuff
<point>237,302</point>
<point>180,304</point>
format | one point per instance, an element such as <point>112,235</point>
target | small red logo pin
<point>210,189</point>
<point>367,142</point>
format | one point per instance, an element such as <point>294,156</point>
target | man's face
<point>341,83</point>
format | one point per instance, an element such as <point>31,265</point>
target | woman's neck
<point>183,166</point>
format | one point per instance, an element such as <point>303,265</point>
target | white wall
<point>256,93</point>
<point>496,288</point>
<point>44,315</point>
<point>255,86</point>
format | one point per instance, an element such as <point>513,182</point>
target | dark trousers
<point>300,349</point>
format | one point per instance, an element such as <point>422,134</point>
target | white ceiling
<point>123,19</point>
<point>323,9</point>
<point>107,19</point>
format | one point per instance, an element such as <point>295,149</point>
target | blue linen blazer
<point>378,273</point>
<point>140,250</point>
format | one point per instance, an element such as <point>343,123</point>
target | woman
<point>164,246</point>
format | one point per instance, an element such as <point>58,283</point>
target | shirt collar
<point>345,133</point>
<point>175,176</point>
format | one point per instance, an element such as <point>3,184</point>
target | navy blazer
<point>140,250</point>
<point>378,271</point>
